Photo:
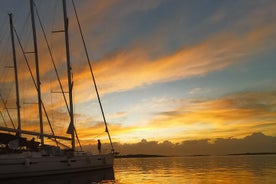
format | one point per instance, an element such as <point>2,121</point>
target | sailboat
<point>37,158</point>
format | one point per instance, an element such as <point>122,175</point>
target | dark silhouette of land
<point>138,156</point>
<point>261,153</point>
<point>198,155</point>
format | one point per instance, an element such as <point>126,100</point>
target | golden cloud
<point>232,115</point>
<point>135,64</point>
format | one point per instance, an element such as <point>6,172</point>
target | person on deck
<point>99,146</point>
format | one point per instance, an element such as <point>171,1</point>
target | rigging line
<point>92,75</point>
<point>52,58</point>
<point>76,130</point>
<point>77,137</point>
<point>32,76</point>
<point>5,106</point>
<point>25,58</point>
<point>3,119</point>
<point>60,143</point>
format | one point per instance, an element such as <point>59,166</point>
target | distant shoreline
<point>237,154</point>
<point>261,153</point>
<point>198,155</point>
<point>138,156</point>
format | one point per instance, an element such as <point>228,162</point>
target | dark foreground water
<point>257,169</point>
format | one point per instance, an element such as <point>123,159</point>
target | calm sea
<point>205,169</point>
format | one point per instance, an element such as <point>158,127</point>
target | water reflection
<point>105,176</point>
<point>207,169</point>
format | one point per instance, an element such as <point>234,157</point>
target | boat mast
<point>16,76</point>
<point>37,73</point>
<point>69,75</point>
<point>93,77</point>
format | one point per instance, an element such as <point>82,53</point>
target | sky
<point>167,70</point>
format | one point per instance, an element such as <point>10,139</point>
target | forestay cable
<point>92,74</point>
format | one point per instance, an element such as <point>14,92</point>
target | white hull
<point>33,164</point>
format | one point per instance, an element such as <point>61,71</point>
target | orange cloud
<point>233,115</point>
<point>136,65</point>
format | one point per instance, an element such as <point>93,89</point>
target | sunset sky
<point>172,70</point>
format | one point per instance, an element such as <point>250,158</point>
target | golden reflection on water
<point>207,169</point>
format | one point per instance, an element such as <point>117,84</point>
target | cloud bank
<point>254,143</point>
